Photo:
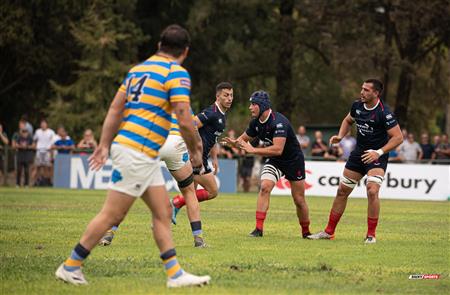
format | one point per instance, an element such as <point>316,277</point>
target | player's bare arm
<point>189,132</point>
<point>271,151</point>
<point>395,139</point>
<point>234,142</point>
<point>343,130</point>
<point>109,130</point>
<point>215,161</point>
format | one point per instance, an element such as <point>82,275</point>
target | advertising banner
<point>402,181</point>
<point>72,171</point>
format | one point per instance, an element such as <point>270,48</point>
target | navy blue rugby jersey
<point>372,125</point>
<point>276,125</point>
<point>213,121</point>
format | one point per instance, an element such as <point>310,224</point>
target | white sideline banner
<point>402,181</point>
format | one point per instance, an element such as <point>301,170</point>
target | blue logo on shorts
<point>185,157</point>
<point>116,176</point>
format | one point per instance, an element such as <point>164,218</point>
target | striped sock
<point>173,268</point>
<point>75,260</point>
<point>196,227</point>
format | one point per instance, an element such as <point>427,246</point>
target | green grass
<point>38,229</point>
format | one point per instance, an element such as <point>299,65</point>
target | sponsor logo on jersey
<point>185,82</point>
<point>280,125</point>
<point>389,116</point>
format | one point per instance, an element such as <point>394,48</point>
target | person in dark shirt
<point>378,134</point>
<point>284,158</point>
<point>427,148</point>
<point>22,142</point>
<point>319,148</point>
<point>211,124</point>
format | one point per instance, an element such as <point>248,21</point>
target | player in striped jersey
<point>175,155</point>
<point>140,115</point>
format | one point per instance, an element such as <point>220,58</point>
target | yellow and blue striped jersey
<point>150,88</point>
<point>175,128</point>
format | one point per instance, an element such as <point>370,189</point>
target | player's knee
<point>343,191</point>
<point>212,193</point>
<point>372,191</point>
<point>265,189</point>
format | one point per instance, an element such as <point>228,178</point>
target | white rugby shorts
<point>174,153</point>
<point>133,172</point>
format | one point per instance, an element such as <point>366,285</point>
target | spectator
<point>88,143</point>
<point>319,148</point>
<point>43,138</point>
<point>443,149</point>
<point>427,148</point>
<point>347,144</point>
<point>64,145</point>
<point>302,138</point>
<point>22,142</point>
<point>28,125</point>
<point>334,152</point>
<point>4,141</point>
<point>245,170</point>
<point>436,140</point>
<point>405,134</point>
<point>410,150</point>
<point>394,156</point>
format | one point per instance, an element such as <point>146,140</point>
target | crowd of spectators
<point>34,152</point>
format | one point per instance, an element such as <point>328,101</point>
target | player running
<point>140,114</point>
<point>211,124</point>
<point>175,154</point>
<point>378,133</point>
<point>284,158</point>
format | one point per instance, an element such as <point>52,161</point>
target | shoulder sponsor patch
<point>389,116</point>
<point>185,82</point>
<point>280,125</point>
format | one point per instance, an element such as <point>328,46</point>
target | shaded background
<point>64,60</point>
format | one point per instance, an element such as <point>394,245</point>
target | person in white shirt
<point>43,138</point>
<point>410,150</point>
<point>347,144</point>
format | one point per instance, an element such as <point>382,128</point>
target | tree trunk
<point>403,94</point>
<point>284,100</point>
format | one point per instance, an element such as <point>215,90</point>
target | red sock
<point>202,195</point>
<point>332,222</point>
<point>260,217</point>
<point>178,201</point>
<point>305,226</point>
<point>371,226</point>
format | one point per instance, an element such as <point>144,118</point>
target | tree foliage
<point>67,58</point>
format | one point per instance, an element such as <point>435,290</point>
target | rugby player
<point>284,158</point>
<point>378,133</point>
<point>136,126</point>
<point>175,155</point>
<point>211,124</point>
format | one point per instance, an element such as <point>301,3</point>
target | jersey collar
<point>218,107</point>
<point>270,113</point>
<point>372,108</point>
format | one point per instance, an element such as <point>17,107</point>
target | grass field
<point>38,229</point>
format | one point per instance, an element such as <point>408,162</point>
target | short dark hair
<point>174,40</point>
<point>223,85</point>
<point>377,84</point>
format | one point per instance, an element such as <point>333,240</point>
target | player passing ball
<point>378,133</point>
<point>284,158</point>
